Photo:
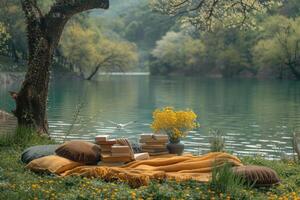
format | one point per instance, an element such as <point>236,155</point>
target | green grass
<point>224,181</point>
<point>217,141</point>
<point>18,183</point>
<point>23,137</point>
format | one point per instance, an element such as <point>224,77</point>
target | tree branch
<point>99,65</point>
<point>69,8</point>
<point>63,10</point>
<point>204,12</point>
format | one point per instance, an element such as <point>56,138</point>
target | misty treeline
<point>134,36</point>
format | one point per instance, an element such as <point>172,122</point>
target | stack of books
<point>154,144</point>
<point>113,153</point>
<point>120,151</point>
<point>105,143</point>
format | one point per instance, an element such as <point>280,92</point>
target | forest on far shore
<point>134,36</point>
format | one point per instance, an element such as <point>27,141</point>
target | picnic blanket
<point>179,168</point>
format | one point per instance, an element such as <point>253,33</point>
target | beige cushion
<point>52,164</point>
<point>80,151</point>
<point>258,175</point>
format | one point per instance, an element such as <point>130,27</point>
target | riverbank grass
<point>18,183</point>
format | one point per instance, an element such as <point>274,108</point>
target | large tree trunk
<point>43,32</point>
<point>31,101</point>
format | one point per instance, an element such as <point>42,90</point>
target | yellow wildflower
<point>34,186</point>
<point>174,123</point>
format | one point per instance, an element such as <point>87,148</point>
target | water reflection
<point>257,117</point>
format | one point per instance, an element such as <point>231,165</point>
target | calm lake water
<point>256,116</point>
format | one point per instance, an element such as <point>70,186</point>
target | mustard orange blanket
<point>139,173</point>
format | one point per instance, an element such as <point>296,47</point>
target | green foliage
<point>11,16</point>
<point>138,23</point>
<point>22,137</point>
<point>4,37</point>
<point>290,8</point>
<point>88,48</point>
<point>135,21</point>
<point>225,181</point>
<point>45,5</point>
<point>265,49</point>
<point>269,50</point>
<point>178,51</point>
<point>171,44</point>
<point>217,141</point>
<point>278,49</point>
<point>208,14</point>
<point>8,64</point>
<point>231,61</point>
<point>224,50</point>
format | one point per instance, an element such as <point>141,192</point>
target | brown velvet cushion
<point>80,151</point>
<point>258,175</point>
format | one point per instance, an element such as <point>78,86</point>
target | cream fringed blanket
<point>179,168</point>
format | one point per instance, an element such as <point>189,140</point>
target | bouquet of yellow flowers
<point>175,124</point>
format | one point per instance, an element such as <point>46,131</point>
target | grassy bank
<point>18,183</point>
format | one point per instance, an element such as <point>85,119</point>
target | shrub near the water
<point>217,141</point>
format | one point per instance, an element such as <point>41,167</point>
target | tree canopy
<point>90,50</point>
<point>178,51</point>
<point>229,43</point>
<point>279,47</point>
<point>208,13</point>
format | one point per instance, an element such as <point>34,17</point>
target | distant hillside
<point>119,7</point>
